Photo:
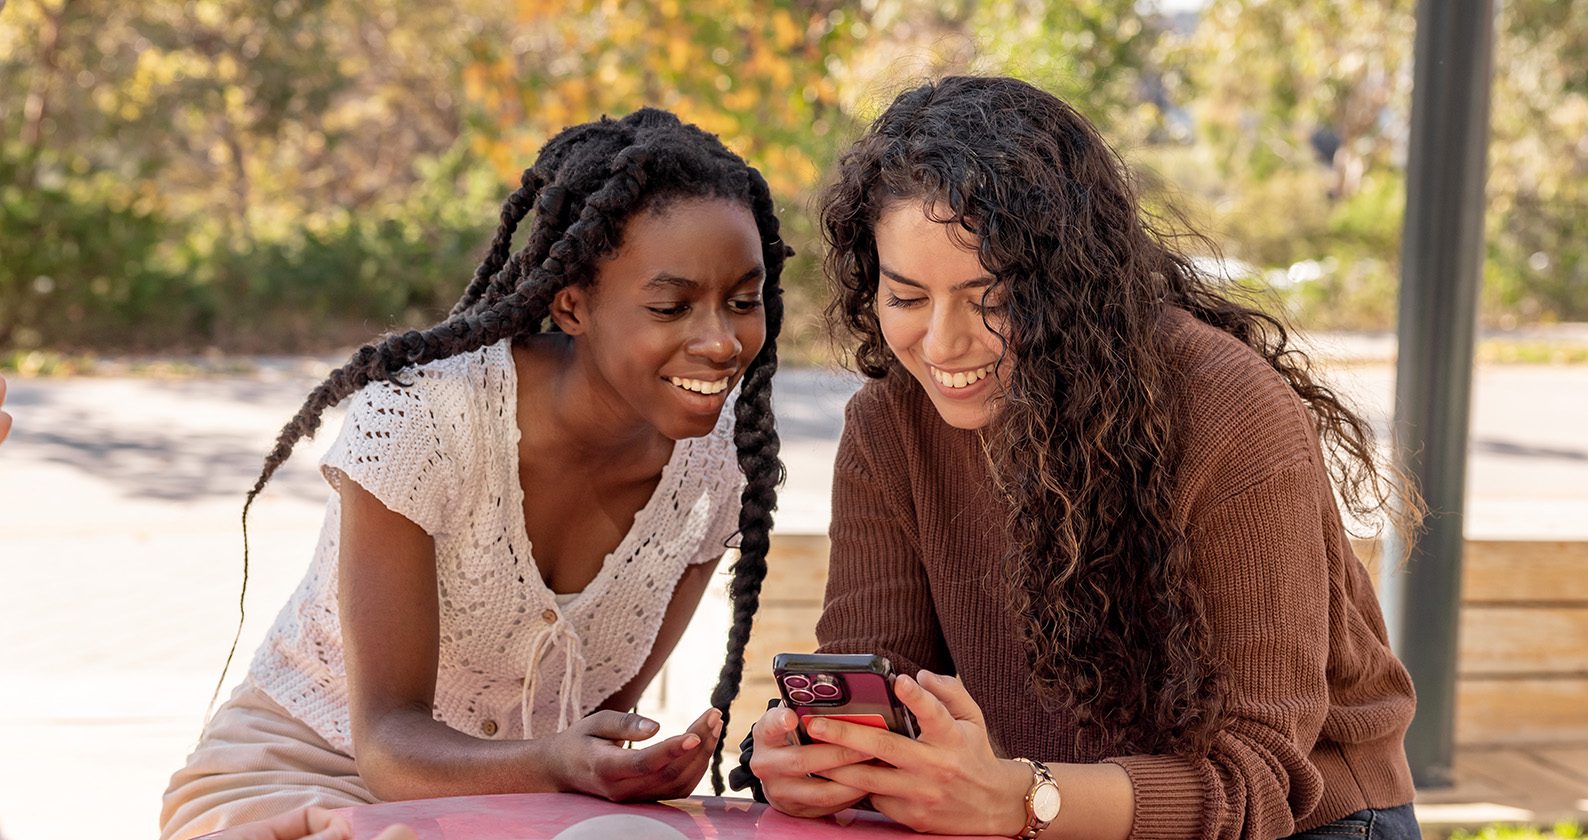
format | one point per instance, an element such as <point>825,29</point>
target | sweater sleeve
<point>878,598</point>
<point>1261,559</point>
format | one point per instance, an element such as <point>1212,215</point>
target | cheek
<point>898,328</point>
<point>752,337</point>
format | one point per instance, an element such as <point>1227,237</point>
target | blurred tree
<point>1538,164</point>
<point>1287,83</point>
<point>761,74</point>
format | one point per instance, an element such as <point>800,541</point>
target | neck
<point>566,414</point>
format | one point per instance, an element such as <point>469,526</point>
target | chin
<point>682,428</point>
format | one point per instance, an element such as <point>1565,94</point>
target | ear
<point>570,310</point>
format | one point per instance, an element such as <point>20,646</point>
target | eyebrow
<point>974,283</point>
<point>666,280</point>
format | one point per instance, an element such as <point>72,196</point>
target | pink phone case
<point>851,688</point>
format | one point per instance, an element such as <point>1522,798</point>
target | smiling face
<point>674,316</point>
<point>930,306</point>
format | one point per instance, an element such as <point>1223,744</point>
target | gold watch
<point>1042,800</point>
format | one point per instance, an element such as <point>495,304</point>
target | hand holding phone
<point>854,688</point>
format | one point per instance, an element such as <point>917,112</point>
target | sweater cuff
<point>1170,796</point>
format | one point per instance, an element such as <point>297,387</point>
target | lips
<point>960,379</point>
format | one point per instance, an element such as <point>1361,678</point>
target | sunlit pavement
<point>120,557</point>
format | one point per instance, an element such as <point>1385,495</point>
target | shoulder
<point>1237,419</point>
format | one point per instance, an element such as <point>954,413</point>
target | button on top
<point>488,727</point>
<point>550,616</point>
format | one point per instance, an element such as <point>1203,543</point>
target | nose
<point>948,333</point>
<point>715,340</point>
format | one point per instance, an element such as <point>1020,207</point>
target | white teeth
<point>701,386</point>
<point>963,378</point>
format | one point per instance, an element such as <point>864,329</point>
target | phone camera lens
<point>825,690</point>
<point>801,696</point>
<point>796,681</point>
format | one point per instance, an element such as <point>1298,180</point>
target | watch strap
<point>1041,777</point>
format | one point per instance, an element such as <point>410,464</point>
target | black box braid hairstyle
<point>587,182</point>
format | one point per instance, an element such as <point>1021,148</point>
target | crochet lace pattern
<point>440,446</point>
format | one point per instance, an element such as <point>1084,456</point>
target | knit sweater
<point>439,445</point>
<point>1317,704</point>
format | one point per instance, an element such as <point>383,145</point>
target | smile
<point>962,379</point>
<point>701,386</point>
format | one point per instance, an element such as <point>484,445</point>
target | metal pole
<point>1441,268</point>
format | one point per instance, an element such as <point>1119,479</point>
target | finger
<point>932,717</point>
<point>954,696</point>
<point>654,758</point>
<point>802,797</point>
<point>775,729</point>
<point>868,740</point>
<point>5,425</point>
<point>708,726</point>
<point>804,760</point>
<point>618,727</point>
<point>875,779</point>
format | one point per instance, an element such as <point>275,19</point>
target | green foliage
<point>81,267</point>
<point>1499,831</point>
<point>298,174</point>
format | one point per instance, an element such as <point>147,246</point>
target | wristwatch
<point>1042,800</point>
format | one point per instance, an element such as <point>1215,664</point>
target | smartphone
<point>855,688</point>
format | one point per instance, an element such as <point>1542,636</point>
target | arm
<point>390,628</point>
<point>878,599</point>
<point>1261,562</point>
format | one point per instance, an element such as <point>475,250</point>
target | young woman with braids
<point>1094,488</point>
<point>525,518</point>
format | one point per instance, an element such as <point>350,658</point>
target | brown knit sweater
<point>1318,704</point>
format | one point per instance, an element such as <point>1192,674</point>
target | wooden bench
<point>1523,655</point>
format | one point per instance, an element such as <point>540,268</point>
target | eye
<point>675,311</point>
<point>745,305</point>
<point>897,302</point>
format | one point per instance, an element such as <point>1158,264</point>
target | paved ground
<point>120,556</point>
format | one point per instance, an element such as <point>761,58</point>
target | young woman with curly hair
<point>1094,488</point>
<point>524,518</point>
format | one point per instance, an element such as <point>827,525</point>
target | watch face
<point>1045,802</point>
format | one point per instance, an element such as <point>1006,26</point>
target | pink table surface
<point>566,816</point>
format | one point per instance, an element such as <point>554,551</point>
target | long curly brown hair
<point>1081,444</point>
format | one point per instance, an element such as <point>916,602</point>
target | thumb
<point>620,726</point>
<point>952,694</point>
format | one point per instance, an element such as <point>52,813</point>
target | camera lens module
<point>825,688</point>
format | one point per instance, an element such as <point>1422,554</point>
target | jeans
<point>1398,823</point>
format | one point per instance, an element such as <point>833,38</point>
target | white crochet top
<point>443,452</point>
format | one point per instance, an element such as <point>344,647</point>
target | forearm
<point>1097,802</point>
<point>408,754</point>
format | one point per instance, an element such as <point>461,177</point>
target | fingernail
<point>649,726</point>
<point>816,727</point>
<point>691,742</point>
